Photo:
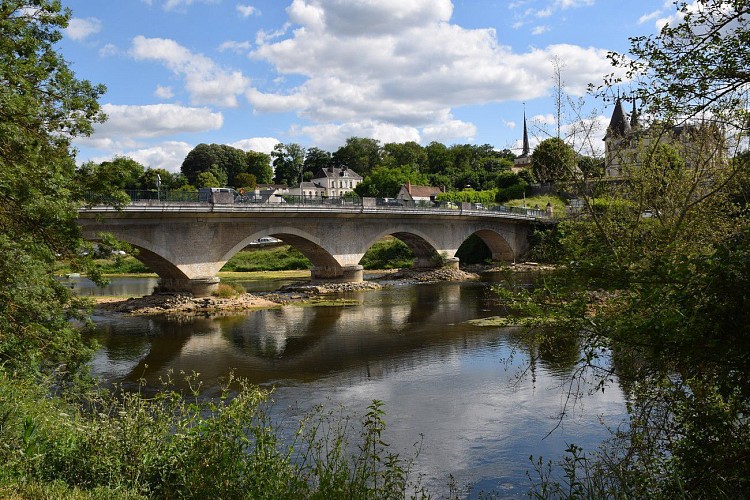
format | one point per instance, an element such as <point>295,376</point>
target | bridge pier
<point>451,262</point>
<point>198,287</point>
<point>435,262</point>
<point>343,274</point>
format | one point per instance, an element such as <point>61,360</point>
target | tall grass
<point>175,445</point>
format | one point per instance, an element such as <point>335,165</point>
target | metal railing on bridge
<point>151,197</point>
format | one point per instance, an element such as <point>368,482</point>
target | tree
<point>510,186</point>
<point>207,180</point>
<point>43,107</point>
<point>553,160</point>
<point>198,160</point>
<point>590,167</point>
<point>316,160</point>
<point>359,154</point>
<point>288,163</point>
<point>225,161</point>
<point>408,153</point>
<point>246,181</point>
<point>119,173</point>
<point>384,182</point>
<point>668,249</point>
<point>259,165</point>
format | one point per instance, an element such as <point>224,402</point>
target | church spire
<point>526,149</point>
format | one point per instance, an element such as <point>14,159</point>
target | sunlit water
<point>469,391</point>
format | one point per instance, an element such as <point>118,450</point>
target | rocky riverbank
<point>173,303</point>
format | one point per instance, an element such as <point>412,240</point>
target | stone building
<point>331,182</point>
<point>627,142</point>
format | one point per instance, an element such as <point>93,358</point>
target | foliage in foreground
<point>655,274</point>
<point>176,445</point>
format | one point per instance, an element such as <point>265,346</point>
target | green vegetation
<point>229,290</point>
<point>386,254</point>
<point>655,275</point>
<point>558,204</point>
<point>122,265</point>
<point>175,445</point>
<point>59,437</point>
<point>469,196</point>
<point>267,259</point>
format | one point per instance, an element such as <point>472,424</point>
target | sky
<point>253,73</point>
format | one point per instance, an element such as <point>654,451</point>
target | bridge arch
<point>421,245</point>
<point>499,247</point>
<point>325,265</point>
<point>172,276</point>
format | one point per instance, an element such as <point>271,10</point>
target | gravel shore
<point>173,303</point>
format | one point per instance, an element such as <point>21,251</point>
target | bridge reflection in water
<point>409,346</point>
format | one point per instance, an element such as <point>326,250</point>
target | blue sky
<point>252,73</point>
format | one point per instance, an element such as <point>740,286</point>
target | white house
<point>330,182</point>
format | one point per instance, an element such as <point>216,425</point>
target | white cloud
<point>155,120</point>
<point>572,4</point>
<point>168,155</point>
<point>538,30</point>
<point>649,17</point>
<point>509,123</point>
<point>247,10</point>
<point>176,4</point>
<point>238,47</point>
<point>448,131</point>
<point>404,64</point>
<point>259,144</point>
<point>108,50</point>
<point>544,12</point>
<point>263,36</point>
<point>206,82</point>
<point>80,29</point>
<point>331,136</point>
<point>164,92</point>
<point>548,119</point>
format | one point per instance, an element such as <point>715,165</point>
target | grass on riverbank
<point>175,445</point>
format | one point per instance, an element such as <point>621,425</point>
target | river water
<point>470,391</point>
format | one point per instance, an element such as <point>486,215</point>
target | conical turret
<point>618,125</point>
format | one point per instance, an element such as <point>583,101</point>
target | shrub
<point>229,290</point>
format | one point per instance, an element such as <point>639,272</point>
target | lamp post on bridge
<point>158,187</point>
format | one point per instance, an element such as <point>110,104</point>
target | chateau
<point>627,142</point>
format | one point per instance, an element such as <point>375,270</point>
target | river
<point>467,390</point>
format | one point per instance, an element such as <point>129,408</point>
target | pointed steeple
<point>634,117</point>
<point>526,149</point>
<point>619,124</point>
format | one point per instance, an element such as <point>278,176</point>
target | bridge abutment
<point>198,287</point>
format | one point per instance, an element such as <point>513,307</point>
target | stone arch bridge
<point>187,244</point>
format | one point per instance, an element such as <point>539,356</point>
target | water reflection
<point>408,346</point>
<point>117,287</point>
